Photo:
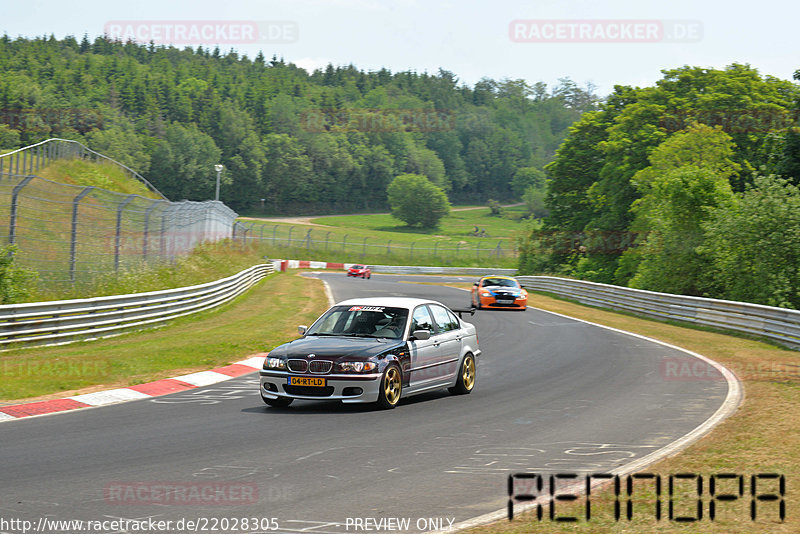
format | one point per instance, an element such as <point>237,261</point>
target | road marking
<point>112,396</point>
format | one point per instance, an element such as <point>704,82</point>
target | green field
<point>382,239</point>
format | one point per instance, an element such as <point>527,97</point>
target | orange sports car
<point>495,291</point>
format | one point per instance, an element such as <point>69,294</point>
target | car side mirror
<point>302,329</point>
<point>475,284</point>
<point>421,335</point>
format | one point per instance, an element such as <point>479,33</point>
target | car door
<point>424,353</point>
<point>449,337</point>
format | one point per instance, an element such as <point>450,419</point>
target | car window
<point>421,320</point>
<point>445,321</point>
<point>501,282</point>
<point>373,321</point>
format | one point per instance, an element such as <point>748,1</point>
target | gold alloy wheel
<point>392,385</point>
<point>468,372</point>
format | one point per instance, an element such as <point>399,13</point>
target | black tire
<point>369,276</point>
<point>280,402</point>
<point>466,377</point>
<point>391,388</point>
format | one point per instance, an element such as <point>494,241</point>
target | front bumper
<point>491,302</point>
<point>346,388</point>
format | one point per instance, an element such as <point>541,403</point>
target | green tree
<point>182,166</point>
<point>755,244</point>
<point>121,142</point>
<point>689,176</point>
<point>9,137</point>
<point>526,177</point>
<point>416,201</point>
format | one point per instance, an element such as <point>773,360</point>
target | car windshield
<point>357,267</point>
<point>361,321</point>
<point>503,282</point>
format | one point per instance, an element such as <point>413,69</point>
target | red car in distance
<point>359,270</point>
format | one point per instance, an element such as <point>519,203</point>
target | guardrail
<point>778,324</point>
<point>282,265</point>
<point>65,321</point>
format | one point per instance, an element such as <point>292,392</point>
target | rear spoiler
<point>459,311</point>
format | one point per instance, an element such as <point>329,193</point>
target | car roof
<point>499,276</point>
<point>389,302</point>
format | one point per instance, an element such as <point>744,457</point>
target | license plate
<point>505,301</point>
<point>306,381</point>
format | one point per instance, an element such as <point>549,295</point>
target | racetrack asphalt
<point>553,395</point>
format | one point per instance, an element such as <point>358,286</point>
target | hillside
<point>322,142</point>
<point>103,175</point>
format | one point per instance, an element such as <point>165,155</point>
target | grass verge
<point>255,322</point>
<point>103,175</point>
<point>761,437</point>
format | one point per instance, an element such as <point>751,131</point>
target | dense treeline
<point>686,187</point>
<point>332,139</point>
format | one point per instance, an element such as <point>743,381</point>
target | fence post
<point>435,246</point>
<point>289,240</point>
<point>274,229</point>
<point>389,247</point>
<point>121,207</point>
<point>73,241</point>
<point>364,250</point>
<point>327,236</point>
<point>499,249</point>
<point>344,244</point>
<point>12,222</point>
<point>308,239</point>
<point>411,253</point>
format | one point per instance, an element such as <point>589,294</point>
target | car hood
<point>336,347</point>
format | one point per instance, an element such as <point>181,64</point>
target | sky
<point>603,43</point>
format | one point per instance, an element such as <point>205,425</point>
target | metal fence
<point>310,240</point>
<point>58,322</point>
<point>69,233</point>
<point>778,324</point>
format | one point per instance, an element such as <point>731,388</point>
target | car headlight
<point>356,367</point>
<point>523,294</point>
<point>275,363</point>
<point>485,294</point>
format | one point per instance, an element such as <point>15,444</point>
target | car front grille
<point>297,366</point>
<point>320,367</point>
<point>309,391</point>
